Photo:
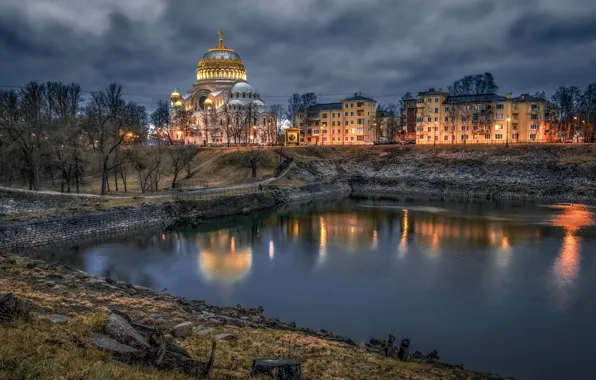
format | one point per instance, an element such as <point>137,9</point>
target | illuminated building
<point>222,107</point>
<point>482,119</point>
<point>349,122</point>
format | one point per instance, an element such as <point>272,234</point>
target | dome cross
<point>220,39</point>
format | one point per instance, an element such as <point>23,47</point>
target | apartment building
<point>349,122</point>
<point>482,119</point>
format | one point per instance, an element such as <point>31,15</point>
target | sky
<point>334,48</point>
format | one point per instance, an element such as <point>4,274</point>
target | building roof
<point>359,96</point>
<point>325,106</point>
<point>528,98</point>
<point>432,92</point>
<point>477,98</point>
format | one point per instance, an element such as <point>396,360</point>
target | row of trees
<point>233,126</point>
<point>50,133</point>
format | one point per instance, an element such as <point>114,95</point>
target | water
<point>499,287</point>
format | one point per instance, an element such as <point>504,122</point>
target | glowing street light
<point>507,135</point>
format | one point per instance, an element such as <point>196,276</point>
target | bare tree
<point>161,120</point>
<point>180,158</point>
<point>279,113</point>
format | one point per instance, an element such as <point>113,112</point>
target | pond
<point>501,287</point>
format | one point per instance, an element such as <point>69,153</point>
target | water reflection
<point>572,219</point>
<point>222,258</point>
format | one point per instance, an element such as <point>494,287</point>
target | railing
<point>216,193</point>
<point>194,184</point>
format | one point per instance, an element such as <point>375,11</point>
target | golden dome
<point>175,95</point>
<point>208,101</point>
<point>178,104</point>
<point>221,63</point>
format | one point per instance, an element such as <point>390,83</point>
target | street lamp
<point>435,135</point>
<point>507,135</point>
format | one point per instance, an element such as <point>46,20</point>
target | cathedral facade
<point>222,108</point>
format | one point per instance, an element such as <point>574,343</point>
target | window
<point>324,124</point>
<point>429,129</point>
<point>360,130</point>
<point>436,119</point>
<point>464,137</point>
<point>446,118</point>
<point>419,119</point>
<point>446,129</point>
<point>445,138</point>
<point>436,138</point>
<point>346,128</point>
<point>324,131</point>
<point>346,139</point>
<point>498,127</point>
<point>351,105</point>
<point>346,105</point>
<point>515,136</point>
<point>324,116</point>
<point>429,119</point>
<point>360,138</point>
<point>353,130</point>
<point>420,101</point>
<point>475,118</point>
<point>420,137</point>
<point>324,138</point>
<point>436,129</point>
<point>360,104</point>
<point>498,137</point>
<point>534,107</point>
<point>315,132</point>
<point>360,121</point>
<point>533,136</point>
<point>533,117</point>
<point>429,100</point>
<point>427,138</point>
<point>352,138</point>
<point>333,123</point>
<point>351,121</point>
<point>499,116</point>
<point>500,106</point>
<point>534,127</point>
<point>333,114</point>
<point>436,110</point>
<point>436,100</point>
<point>346,123</point>
<point>351,113</point>
<point>487,137</point>
<point>309,131</point>
<point>446,109</point>
<point>346,114</point>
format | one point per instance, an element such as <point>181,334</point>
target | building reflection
<point>225,256</point>
<point>572,218</point>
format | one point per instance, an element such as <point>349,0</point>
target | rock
<point>12,308</point>
<point>118,350</point>
<point>206,331</point>
<point>225,337</point>
<point>58,287</point>
<point>121,330</point>
<point>59,318</point>
<point>215,321</point>
<point>182,330</point>
<point>99,283</point>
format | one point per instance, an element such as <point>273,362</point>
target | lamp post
<point>435,135</point>
<point>507,134</point>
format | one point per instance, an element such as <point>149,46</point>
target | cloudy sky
<point>382,48</point>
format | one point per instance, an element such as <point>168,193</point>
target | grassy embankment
<point>35,348</point>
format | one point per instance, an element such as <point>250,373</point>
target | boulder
<point>109,344</point>
<point>59,318</point>
<point>225,337</point>
<point>206,331</point>
<point>182,330</point>
<point>121,330</point>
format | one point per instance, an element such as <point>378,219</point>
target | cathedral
<point>222,108</point>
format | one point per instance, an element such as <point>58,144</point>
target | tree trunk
<point>104,176</point>
<point>277,369</point>
<point>116,179</point>
<point>123,176</point>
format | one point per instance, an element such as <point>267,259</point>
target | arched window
<point>244,95</point>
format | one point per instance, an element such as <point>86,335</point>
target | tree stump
<point>404,350</point>
<point>277,369</point>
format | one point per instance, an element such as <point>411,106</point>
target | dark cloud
<point>333,47</point>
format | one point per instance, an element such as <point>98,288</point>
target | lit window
<point>534,127</point>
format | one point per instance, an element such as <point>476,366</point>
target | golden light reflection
<point>403,244</point>
<point>571,219</point>
<point>375,240</point>
<point>271,249</point>
<point>224,258</point>
<point>323,237</point>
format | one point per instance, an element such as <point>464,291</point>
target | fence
<point>215,193</point>
<point>194,184</point>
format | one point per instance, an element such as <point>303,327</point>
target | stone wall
<point>78,227</point>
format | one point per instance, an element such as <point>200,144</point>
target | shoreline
<point>54,289</point>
